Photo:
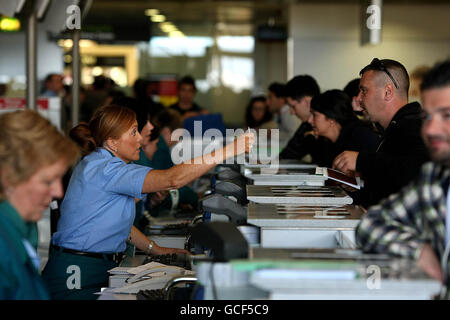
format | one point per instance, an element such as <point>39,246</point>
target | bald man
<point>415,222</point>
<point>383,97</point>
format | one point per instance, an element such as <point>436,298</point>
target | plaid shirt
<point>404,222</point>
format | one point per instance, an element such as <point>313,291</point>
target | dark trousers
<point>73,277</point>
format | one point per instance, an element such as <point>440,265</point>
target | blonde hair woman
<point>33,158</point>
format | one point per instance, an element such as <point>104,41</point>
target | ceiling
<point>195,18</point>
<point>201,17</point>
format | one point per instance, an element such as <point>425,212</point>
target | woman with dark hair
<point>98,209</point>
<point>332,117</point>
<point>352,91</point>
<point>257,114</point>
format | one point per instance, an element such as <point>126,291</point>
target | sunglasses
<point>377,64</point>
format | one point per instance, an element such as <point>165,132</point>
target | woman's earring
<point>115,150</point>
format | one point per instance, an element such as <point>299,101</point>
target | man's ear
<point>389,92</point>
<point>308,101</point>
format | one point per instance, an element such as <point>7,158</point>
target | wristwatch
<point>150,246</point>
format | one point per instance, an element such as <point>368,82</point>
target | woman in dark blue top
<point>332,117</point>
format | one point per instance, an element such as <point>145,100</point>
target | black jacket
<point>355,136</point>
<point>303,143</point>
<point>398,159</point>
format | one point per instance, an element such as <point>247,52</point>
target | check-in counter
<point>296,226</point>
<point>315,274</point>
<point>275,176</point>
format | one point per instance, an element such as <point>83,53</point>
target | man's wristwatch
<point>150,246</point>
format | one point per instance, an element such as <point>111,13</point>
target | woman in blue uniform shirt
<point>33,158</point>
<point>98,209</point>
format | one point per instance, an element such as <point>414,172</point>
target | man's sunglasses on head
<point>377,64</point>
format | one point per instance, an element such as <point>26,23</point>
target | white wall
<point>326,39</point>
<point>12,54</point>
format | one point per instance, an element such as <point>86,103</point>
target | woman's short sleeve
<point>122,178</point>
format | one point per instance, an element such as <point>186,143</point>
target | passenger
<point>33,159</point>
<point>54,86</point>
<point>352,91</point>
<point>186,94</point>
<point>332,117</point>
<point>415,222</point>
<point>257,114</point>
<point>278,106</point>
<point>167,121</point>
<point>143,91</point>
<point>304,145</point>
<point>98,210</point>
<point>96,96</point>
<point>384,97</point>
<point>150,148</point>
<point>114,94</point>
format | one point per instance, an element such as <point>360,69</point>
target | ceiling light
<point>167,27</point>
<point>151,12</point>
<point>158,18</point>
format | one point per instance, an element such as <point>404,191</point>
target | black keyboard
<point>175,259</point>
<point>185,213</point>
<point>181,229</point>
<point>174,294</point>
<point>156,294</point>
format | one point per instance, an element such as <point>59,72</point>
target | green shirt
<point>19,278</point>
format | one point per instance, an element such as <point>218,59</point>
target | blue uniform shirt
<point>99,208</point>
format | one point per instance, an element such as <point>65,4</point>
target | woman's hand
<point>157,250</point>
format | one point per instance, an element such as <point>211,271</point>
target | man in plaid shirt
<point>412,223</point>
